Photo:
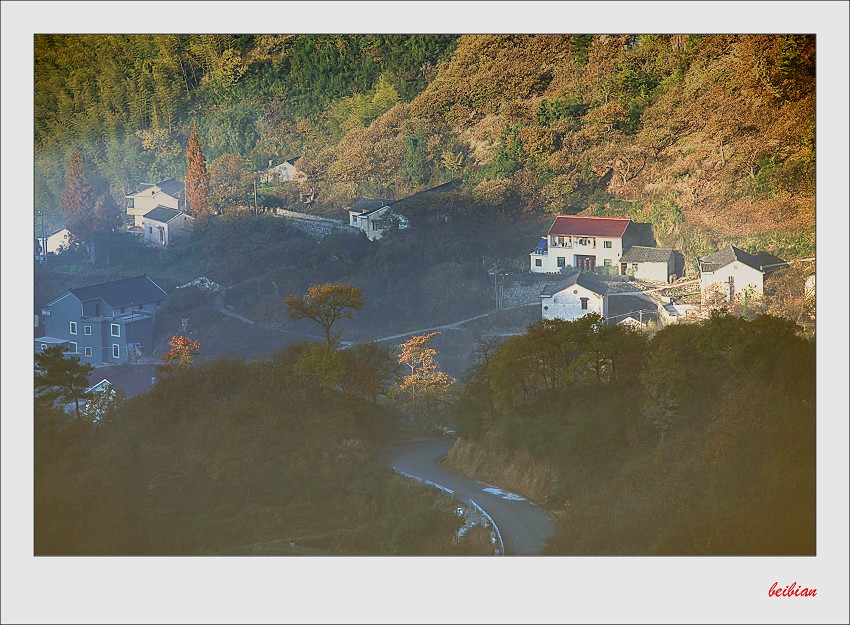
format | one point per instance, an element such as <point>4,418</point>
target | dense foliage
<point>234,457</point>
<point>707,137</point>
<point>698,441</point>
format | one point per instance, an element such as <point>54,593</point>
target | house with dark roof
<point>169,193</point>
<point>104,324</point>
<point>282,172</point>
<point>728,273</point>
<point>584,292</point>
<point>582,243</point>
<point>655,264</point>
<point>580,294</point>
<point>369,215</point>
<point>163,225</point>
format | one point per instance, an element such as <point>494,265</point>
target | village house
<point>56,242</point>
<point>578,295</point>
<point>169,193</point>
<point>104,324</point>
<point>163,226</point>
<point>282,172</point>
<point>655,264</point>
<point>368,215</point>
<point>582,243</point>
<point>584,292</point>
<point>729,272</point>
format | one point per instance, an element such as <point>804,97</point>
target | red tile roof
<point>589,226</point>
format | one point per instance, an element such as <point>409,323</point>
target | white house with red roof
<point>582,243</point>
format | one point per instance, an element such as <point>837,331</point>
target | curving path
<point>524,526</point>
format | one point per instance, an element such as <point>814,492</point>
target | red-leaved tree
<point>197,178</point>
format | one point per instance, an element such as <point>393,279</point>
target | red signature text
<point>791,591</point>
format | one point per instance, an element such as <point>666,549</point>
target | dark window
<point>115,329</point>
<point>73,348</point>
<point>584,303</point>
<point>538,262</point>
<point>116,351</point>
<point>88,351</point>
<point>87,330</point>
<point>562,262</point>
<point>150,230</point>
<point>607,245</point>
<point>73,327</point>
<point>607,262</point>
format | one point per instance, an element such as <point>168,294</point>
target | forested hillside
<point>698,441</point>
<point>710,138</point>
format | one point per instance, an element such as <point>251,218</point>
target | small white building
<point>649,263</point>
<point>578,295</point>
<point>282,172</point>
<point>730,272</point>
<point>582,243</point>
<point>56,242</point>
<point>164,226</point>
<point>168,193</point>
<point>369,214</point>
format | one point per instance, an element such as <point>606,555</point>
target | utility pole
<point>43,240</point>
<point>746,305</point>
<point>256,211</point>
<point>496,281</point>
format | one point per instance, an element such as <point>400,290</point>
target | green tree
<point>197,178</point>
<point>326,304</point>
<point>78,201</point>
<point>370,369</point>
<point>58,377</point>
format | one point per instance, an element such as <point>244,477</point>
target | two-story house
<point>582,243</point>
<point>730,272</point>
<point>104,324</point>
<point>169,193</point>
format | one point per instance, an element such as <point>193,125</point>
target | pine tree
<point>78,201</point>
<point>197,178</point>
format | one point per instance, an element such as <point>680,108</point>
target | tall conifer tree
<point>197,178</point>
<point>78,200</point>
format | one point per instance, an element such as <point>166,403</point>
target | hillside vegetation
<point>710,138</point>
<point>698,441</point>
<point>230,457</point>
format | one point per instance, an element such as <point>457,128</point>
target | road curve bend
<point>524,526</point>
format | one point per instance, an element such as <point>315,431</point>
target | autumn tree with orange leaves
<point>425,384</point>
<point>325,304</point>
<point>182,353</point>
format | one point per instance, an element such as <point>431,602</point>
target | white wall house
<point>60,240</point>
<point>578,295</point>
<point>648,263</point>
<point>368,215</point>
<point>283,172</point>
<point>582,243</point>
<point>164,226</point>
<point>729,272</point>
<point>168,193</point>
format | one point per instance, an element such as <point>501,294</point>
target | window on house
<point>561,241</point>
<point>88,351</point>
<point>635,266</point>
<point>150,229</point>
<point>538,262</point>
<point>87,330</point>
<point>73,327</point>
<point>584,303</point>
<point>608,245</point>
<point>73,348</point>
<point>115,329</point>
<point>116,350</point>
<point>607,262</point>
<point>731,280</point>
<point>562,261</point>
<point>375,225</point>
<point>553,241</point>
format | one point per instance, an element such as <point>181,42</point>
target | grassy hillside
<point>711,138</point>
